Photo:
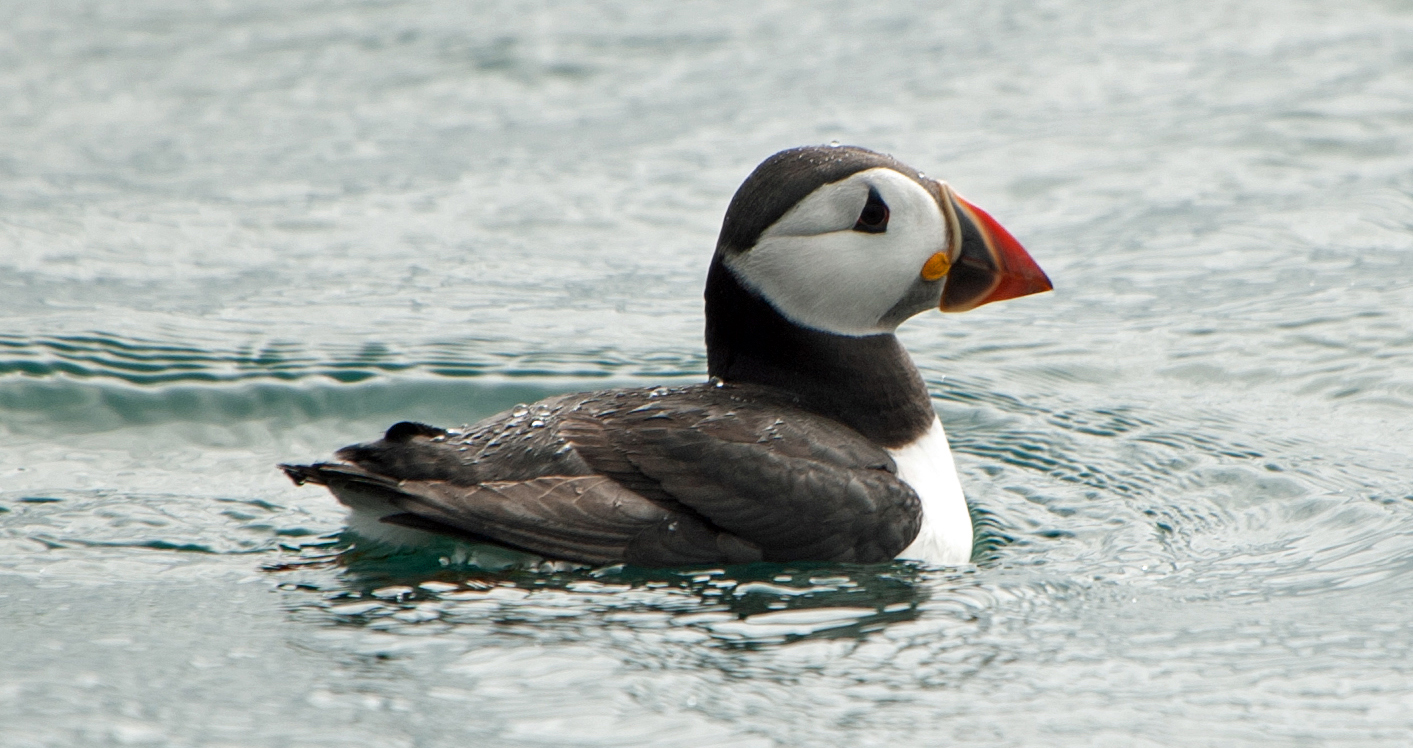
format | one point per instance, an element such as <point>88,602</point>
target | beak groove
<point>988,263</point>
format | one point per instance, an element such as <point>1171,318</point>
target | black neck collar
<point>868,383</point>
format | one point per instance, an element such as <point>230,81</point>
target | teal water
<point>238,234</point>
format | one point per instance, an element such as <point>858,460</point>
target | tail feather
<point>342,475</point>
<point>302,474</point>
<point>378,497</point>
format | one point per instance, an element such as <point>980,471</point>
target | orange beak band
<point>990,264</point>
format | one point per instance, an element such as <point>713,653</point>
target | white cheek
<point>833,207</point>
<point>845,281</point>
<point>841,282</point>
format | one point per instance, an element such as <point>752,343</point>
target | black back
<point>651,476</point>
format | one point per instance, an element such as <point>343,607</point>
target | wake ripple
<point>151,361</point>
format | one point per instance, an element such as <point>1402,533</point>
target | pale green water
<point>236,234</point>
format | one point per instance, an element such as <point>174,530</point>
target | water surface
<point>237,234</point>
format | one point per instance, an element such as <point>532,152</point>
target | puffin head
<point>852,242</point>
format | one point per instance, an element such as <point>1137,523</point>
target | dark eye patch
<point>873,219</point>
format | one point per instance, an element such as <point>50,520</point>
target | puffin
<point>814,438</point>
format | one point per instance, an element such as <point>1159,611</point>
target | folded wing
<point>694,475</point>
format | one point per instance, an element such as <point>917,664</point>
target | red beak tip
<point>1019,275</point>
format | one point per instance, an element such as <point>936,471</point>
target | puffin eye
<point>873,219</point>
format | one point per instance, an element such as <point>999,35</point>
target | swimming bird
<point>815,438</point>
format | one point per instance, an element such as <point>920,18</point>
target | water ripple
<point>150,362</point>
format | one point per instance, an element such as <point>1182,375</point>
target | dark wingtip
<point>405,430</point>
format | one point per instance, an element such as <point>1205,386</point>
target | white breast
<point>926,465</point>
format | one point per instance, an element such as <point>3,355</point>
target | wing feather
<point>658,477</point>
